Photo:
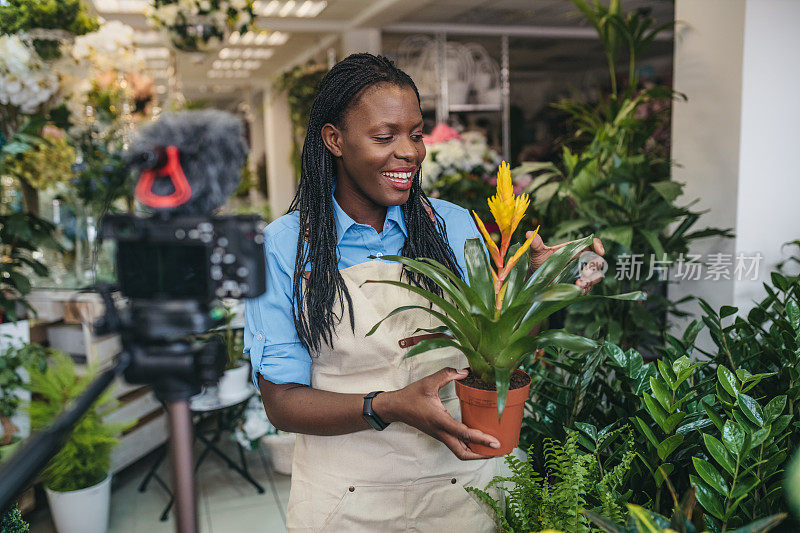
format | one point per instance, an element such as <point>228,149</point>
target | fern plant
<point>85,458</point>
<point>573,481</point>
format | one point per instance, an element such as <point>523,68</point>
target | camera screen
<point>150,270</point>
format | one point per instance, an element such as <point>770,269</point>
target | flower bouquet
<point>200,25</point>
<point>490,319</point>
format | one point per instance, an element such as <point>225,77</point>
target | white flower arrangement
<point>200,25</point>
<point>451,154</point>
<point>110,49</point>
<point>26,82</point>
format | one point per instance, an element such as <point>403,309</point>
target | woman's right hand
<point>418,405</point>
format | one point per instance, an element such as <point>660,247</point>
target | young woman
<point>380,446</point>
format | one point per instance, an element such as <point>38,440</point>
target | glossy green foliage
<point>613,179</point>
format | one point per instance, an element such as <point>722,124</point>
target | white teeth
<point>398,177</point>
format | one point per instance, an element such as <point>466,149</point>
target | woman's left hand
<point>592,272</point>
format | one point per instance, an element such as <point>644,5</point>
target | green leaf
<point>502,382</point>
<point>440,275</point>
<point>728,381</point>
<point>751,409</point>
<point>603,523</point>
<point>459,323</point>
<point>662,394</point>
<point>516,278</point>
<point>644,519</point>
<point>662,473</point>
<point>645,430</point>
<point>774,408</point>
<point>668,446</point>
<point>710,475</point>
<point>719,453</point>
<point>480,279</point>
<point>733,437</point>
<point>793,314</point>
<point>656,411</point>
<point>727,310</point>
<point>655,243</point>
<point>667,373</point>
<point>779,281</point>
<point>619,234</point>
<point>707,498</point>
<point>761,526</point>
<point>427,345</point>
<point>669,190</point>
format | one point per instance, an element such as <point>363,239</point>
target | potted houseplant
<point>77,479</point>
<point>12,381</point>
<point>237,371</point>
<point>490,320</point>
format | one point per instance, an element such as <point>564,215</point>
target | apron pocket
<point>368,508</point>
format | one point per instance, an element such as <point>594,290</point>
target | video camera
<point>174,267</point>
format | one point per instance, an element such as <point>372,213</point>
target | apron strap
<point>408,342</point>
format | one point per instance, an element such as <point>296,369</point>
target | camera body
<point>198,257</point>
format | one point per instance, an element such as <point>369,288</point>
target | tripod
<point>155,353</point>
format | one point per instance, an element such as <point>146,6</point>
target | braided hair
<point>338,91</point>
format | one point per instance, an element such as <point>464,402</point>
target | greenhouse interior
<point>574,273</point>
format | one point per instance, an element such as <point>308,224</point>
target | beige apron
<point>398,479</point>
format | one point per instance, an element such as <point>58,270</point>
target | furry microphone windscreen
<point>212,151</point>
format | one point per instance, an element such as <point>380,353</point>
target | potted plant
<point>12,381</point>
<point>237,370</point>
<point>490,320</point>
<point>77,479</point>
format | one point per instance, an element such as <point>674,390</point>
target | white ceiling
<point>291,39</point>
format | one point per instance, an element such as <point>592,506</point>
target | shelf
<point>465,108</point>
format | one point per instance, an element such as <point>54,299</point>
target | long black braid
<point>426,237</point>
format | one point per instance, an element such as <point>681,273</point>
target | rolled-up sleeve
<point>270,337</point>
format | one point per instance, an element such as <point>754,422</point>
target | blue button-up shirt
<point>269,333</point>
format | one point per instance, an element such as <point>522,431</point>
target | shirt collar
<point>344,221</point>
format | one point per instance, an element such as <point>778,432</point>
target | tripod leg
<point>153,469</point>
<point>180,421</point>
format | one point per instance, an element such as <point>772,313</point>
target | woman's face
<point>378,147</point>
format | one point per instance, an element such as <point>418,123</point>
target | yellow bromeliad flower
<point>507,210</point>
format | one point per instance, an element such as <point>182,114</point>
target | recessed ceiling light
<point>287,8</point>
<point>120,6</point>
<point>152,53</point>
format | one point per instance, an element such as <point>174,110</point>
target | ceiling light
<point>120,6</point>
<point>251,64</point>
<point>147,37</point>
<point>267,9</point>
<point>277,38</point>
<point>287,8</point>
<point>152,53</point>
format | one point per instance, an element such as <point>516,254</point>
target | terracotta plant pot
<point>479,411</point>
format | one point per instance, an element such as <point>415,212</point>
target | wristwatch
<point>369,415</point>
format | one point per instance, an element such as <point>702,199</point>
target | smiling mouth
<point>398,177</point>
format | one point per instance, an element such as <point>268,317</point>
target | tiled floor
<point>226,502</point>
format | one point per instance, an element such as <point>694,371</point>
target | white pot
<point>234,381</point>
<point>281,451</point>
<point>81,511</point>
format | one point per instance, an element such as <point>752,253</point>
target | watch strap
<point>369,415</point>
